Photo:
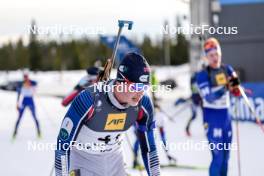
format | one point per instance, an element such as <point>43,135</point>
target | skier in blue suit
<point>25,98</point>
<point>215,83</point>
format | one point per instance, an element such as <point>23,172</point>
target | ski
<point>181,166</point>
<point>175,166</point>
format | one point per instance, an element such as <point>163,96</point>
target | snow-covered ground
<point>19,157</point>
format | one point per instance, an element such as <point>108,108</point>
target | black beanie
<point>135,68</point>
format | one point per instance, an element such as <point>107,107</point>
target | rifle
<point>105,74</point>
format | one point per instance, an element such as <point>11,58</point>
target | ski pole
<point>52,170</point>
<point>171,117</point>
<point>253,112</point>
<point>110,62</point>
<point>237,137</point>
<point>188,103</point>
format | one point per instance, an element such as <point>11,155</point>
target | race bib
<point>220,79</point>
<point>115,121</point>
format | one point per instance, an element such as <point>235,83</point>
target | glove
<point>205,125</point>
<point>234,81</point>
<point>17,106</point>
<point>235,91</point>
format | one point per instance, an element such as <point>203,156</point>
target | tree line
<point>82,53</point>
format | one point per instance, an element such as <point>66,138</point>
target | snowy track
<point>18,159</point>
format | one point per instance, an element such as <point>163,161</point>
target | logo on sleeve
<point>115,121</point>
<point>144,78</point>
<point>122,68</point>
<point>66,128</point>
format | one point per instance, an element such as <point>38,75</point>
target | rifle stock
<point>105,74</point>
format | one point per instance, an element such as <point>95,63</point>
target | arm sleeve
<point>81,84</point>
<point>33,83</point>
<point>205,89</point>
<point>18,90</point>
<point>230,71</point>
<point>145,134</point>
<point>79,110</point>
